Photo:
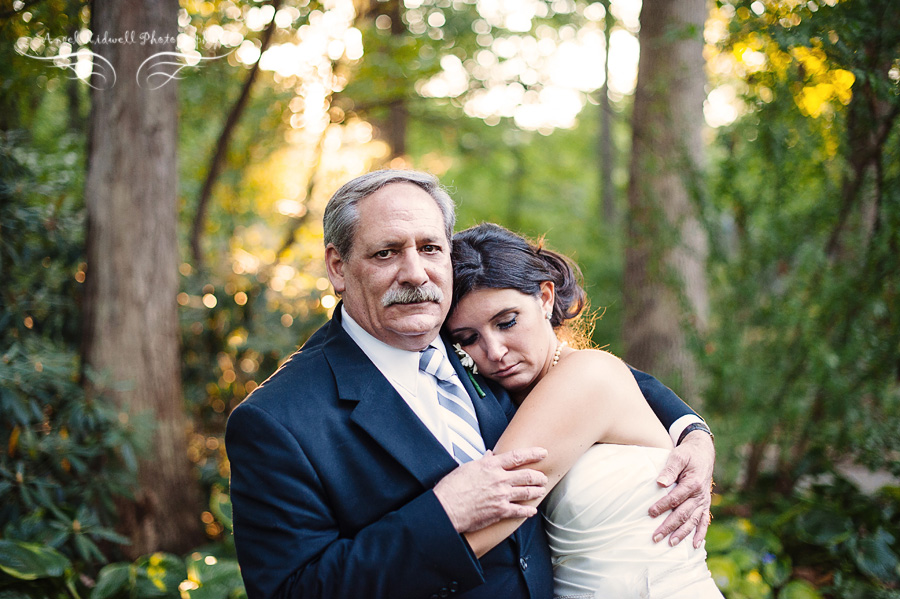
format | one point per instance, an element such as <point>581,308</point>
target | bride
<point>606,447</point>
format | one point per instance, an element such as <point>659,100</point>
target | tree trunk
<point>607,197</point>
<point>131,323</point>
<point>666,248</point>
<point>391,127</point>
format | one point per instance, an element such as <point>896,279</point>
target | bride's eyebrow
<point>503,312</point>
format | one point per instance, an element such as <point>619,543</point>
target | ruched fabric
<point>601,535</point>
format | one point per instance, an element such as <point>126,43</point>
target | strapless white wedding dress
<point>601,536</point>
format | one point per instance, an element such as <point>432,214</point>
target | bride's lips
<point>504,372</point>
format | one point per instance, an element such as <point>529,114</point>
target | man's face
<point>400,246</point>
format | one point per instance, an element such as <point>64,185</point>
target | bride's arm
<point>589,397</point>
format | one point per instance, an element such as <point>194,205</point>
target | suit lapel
<point>381,411</point>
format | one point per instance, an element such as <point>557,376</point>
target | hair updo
<point>489,256</point>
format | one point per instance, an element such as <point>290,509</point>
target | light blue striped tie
<point>458,412</point>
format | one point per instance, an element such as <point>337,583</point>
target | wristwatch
<point>695,426</point>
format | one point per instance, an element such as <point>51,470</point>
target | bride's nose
<point>494,349</point>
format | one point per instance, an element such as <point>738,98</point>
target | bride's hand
<point>691,466</point>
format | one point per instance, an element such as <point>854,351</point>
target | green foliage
<point>28,561</point>
<point>55,439</point>
<point>745,561</point>
<point>24,81</point>
<point>804,218</point>
<point>825,539</point>
<point>166,576</point>
<point>36,570</point>
<point>833,527</point>
<point>210,573</point>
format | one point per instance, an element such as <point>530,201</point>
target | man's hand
<point>691,466</point>
<point>489,489</point>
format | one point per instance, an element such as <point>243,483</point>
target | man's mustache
<point>413,295</point>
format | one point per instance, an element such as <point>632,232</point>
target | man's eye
<point>431,249</point>
<point>384,253</point>
<point>507,325</point>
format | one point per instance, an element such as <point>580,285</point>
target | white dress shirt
<point>401,369</point>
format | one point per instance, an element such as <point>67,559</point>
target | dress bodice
<point>600,532</point>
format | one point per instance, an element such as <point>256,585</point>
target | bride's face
<point>507,334</point>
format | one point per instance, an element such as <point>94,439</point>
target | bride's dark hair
<point>489,256</point>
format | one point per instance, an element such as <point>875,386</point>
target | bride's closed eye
<point>507,324</point>
<point>465,340</point>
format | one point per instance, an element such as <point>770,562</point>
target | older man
<point>348,480</point>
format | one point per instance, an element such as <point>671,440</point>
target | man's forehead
<point>403,212</point>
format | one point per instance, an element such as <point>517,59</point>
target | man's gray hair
<point>342,215</point>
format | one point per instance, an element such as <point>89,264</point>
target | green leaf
<point>799,589</point>
<point>29,561</point>
<point>113,578</point>
<point>158,575</point>
<point>776,571</point>
<point>215,578</point>
<point>744,559</point>
<point>220,506</point>
<point>720,538</point>
<point>109,535</point>
<point>825,528</point>
<point>753,587</point>
<point>725,572</point>
<point>875,557</point>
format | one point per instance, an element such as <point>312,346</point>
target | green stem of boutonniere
<point>481,393</point>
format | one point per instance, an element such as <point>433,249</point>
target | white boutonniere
<point>471,369</point>
<point>465,359</point>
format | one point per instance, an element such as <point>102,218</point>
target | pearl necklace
<point>559,347</point>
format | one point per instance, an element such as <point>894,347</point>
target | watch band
<point>695,426</point>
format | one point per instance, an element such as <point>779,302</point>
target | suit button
<point>454,586</point>
<point>523,563</point>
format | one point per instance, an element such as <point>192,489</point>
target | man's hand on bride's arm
<point>691,466</point>
<point>492,488</point>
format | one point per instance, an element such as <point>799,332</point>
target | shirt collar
<point>398,365</point>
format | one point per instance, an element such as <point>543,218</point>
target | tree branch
<point>224,141</point>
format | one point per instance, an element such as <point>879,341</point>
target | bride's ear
<point>548,294</point>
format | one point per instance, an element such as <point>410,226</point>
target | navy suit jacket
<point>331,485</point>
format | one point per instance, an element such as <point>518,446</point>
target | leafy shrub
<point>55,440</point>
<point>745,561</point>
<point>46,572</point>
<point>846,535</point>
<point>827,539</point>
<point>40,572</point>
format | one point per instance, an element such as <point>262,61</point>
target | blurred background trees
<point>747,171</point>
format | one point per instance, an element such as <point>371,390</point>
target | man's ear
<point>334,265</point>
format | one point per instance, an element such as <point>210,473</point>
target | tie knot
<point>433,362</point>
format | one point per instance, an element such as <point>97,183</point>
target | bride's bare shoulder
<point>597,358</point>
<point>591,365</point>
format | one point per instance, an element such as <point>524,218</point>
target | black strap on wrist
<point>695,426</point>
